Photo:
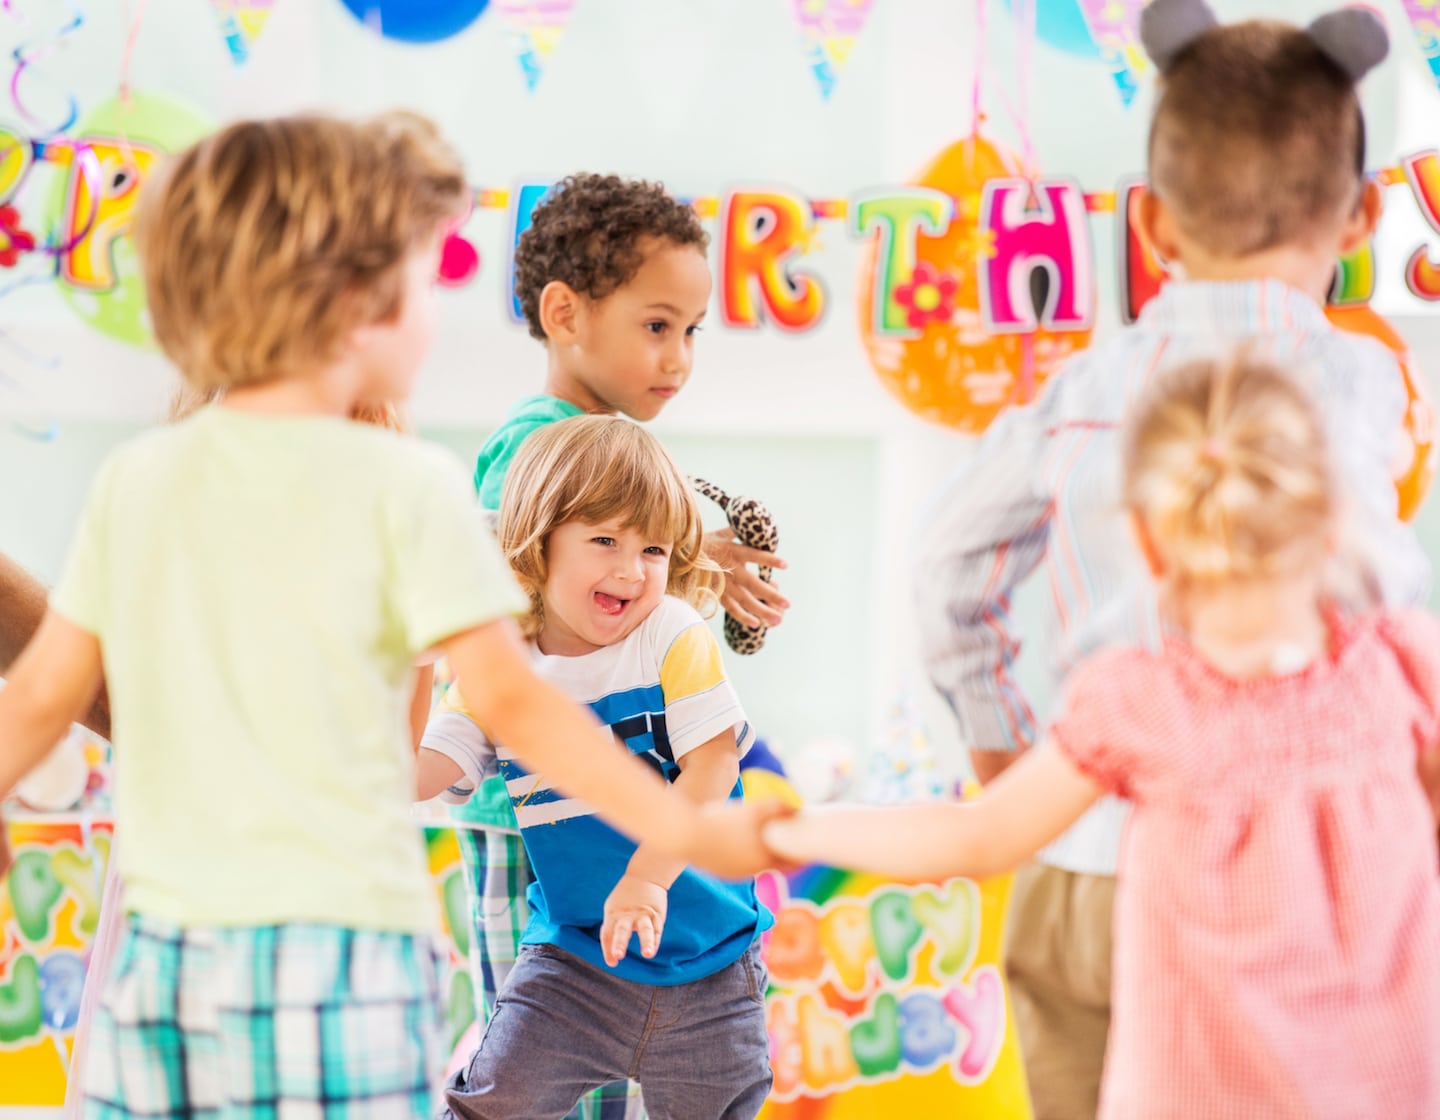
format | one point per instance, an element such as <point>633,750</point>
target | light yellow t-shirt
<point>261,587</point>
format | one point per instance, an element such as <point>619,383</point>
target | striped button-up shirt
<point>1044,489</point>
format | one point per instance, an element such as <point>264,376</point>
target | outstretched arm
<point>48,687</point>
<point>1028,806</point>
<point>551,734</point>
<point>22,606</point>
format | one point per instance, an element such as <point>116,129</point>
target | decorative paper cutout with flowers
<point>928,296</point>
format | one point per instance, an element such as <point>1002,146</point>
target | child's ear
<point>1146,543</point>
<point>1157,227</point>
<point>1360,225</point>
<point>559,311</point>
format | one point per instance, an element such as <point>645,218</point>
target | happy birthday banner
<point>982,278</point>
<point>887,1000</point>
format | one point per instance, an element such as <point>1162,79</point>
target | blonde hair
<point>1226,464</point>
<point>593,469</point>
<point>264,245</point>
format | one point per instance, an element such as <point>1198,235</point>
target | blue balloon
<point>62,981</point>
<point>417,21</point>
<point>1061,24</point>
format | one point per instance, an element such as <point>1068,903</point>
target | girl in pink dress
<point>1277,924</point>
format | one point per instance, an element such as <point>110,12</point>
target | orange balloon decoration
<point>945,363</point>
<point>1417,470</point>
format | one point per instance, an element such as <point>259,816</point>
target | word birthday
<point>866,988</point>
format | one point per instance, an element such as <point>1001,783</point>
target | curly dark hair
<point>587,233</point>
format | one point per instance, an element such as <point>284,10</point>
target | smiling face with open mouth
<point>602,581</point>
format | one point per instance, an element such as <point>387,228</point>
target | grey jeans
<point>562,1027</point>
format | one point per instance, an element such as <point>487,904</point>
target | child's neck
<point>321,394</point>
<point>561,383</point>
<point>1301,267</point>
<point>1256,627</point>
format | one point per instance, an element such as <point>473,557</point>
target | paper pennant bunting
<point>1424,16</point>
<point>241,22</point>
<point>535,28</point>
<point>1113,25</point>
<point>830,29</point>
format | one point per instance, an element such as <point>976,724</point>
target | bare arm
<point>22,606</point>
<point>1032,803</point>
<point>48,687</point>
<point>989,765</point>
<point>637,904</point>
<point>434,774</point>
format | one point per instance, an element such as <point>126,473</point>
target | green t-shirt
<point>490,807</point>
<point>261,587</point>
<point>493,462</point>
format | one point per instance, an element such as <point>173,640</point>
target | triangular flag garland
<point>1114,26</point>
<point>241,22</point>
<point>830,28</point>
<point>535,29</point>
<point>1424,18</point>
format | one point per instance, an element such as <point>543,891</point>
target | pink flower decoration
<point>14,238</point>
<point>929,296</point>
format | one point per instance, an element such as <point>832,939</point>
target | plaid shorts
<point>497,876</point>
<point>292,1020</point>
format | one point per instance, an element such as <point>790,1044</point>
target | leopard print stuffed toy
<point>755,528</point>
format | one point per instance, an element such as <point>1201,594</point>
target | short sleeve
<point>700,702</point>
<point>1414,636</point>
<point>494,462</point>
<point>457,737</point>
<point>82,594</point>
<point>1091,730</point>
<point>448,573</point>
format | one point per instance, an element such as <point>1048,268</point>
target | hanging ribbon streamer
<point>535,30</point>
<point>1114,26</point>
<point>977,88</point>
<point>241,22</point>
<point>830,29</point>
<point>1424,16</point>
<point>26,55</point>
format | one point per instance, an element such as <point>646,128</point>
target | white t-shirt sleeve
<point>700,701</point>
<point>457,737</point>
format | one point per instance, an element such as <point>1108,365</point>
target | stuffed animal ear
<point>1167,27</point>
<point>1354,39</point>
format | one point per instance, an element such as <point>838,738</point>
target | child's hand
<point>635,906</point>
<point>747,597</point>
<point>727,841</point>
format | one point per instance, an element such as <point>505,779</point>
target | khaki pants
<point>1057,963</point>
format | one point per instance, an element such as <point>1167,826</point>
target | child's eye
<point>657,550</point>
<point>606,541</point>
<point>696,329</point>
<point>657,326</point>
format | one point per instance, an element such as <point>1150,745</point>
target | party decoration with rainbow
<point>535,30</point>
<point>241,22</point>
<point>830,29</point>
